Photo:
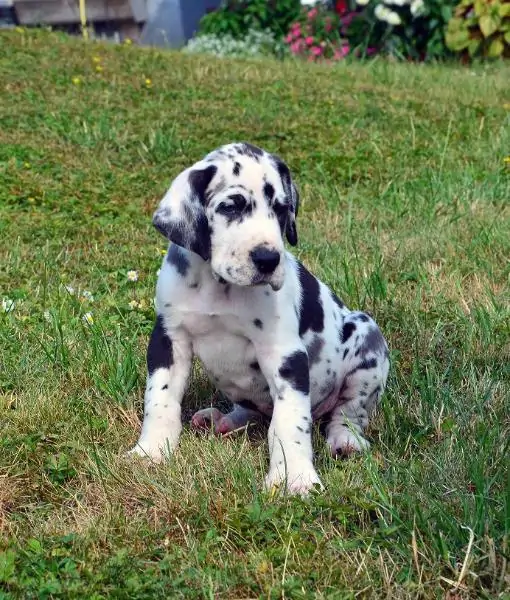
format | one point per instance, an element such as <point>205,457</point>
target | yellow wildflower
<point>128,41</point>
<point>148,82</point>
<point>99,68</point>
<point>96,59</point>
<point>76,80</point>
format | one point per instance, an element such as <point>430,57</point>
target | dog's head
<point>233,208</point>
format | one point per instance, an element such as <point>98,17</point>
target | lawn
<point>405,213</point>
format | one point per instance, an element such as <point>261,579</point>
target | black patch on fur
<point>200,179</point>
<point>159,350</point>
<point>361,317</point>
<point>314,349</point>
<point>247,149</point>
<point>337,300</point>
<point>347,330</point>
<point>373,342</point>
<point>311,313</point>
<point>268,191</point>
<point>346,352</point>
<point>178,259</point>
<point>295,370</point>
<point>237,169</point>
<point>364,365</point>
<point>258,323</point>
<point>255,366</point>
<point>165,387</point>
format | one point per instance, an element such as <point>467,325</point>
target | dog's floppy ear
<point>292,198</point>
<point>181,216</point>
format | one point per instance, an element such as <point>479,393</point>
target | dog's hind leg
<point>358,398</point>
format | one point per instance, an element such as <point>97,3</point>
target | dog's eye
<point>237,205</point>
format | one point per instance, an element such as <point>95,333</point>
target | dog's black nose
<point>265,260</point>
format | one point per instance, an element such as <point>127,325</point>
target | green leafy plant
<point>409,29</point>
<point>237,17</point>
<point>480,28</point>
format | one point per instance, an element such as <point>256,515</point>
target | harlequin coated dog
<point>274,339</point>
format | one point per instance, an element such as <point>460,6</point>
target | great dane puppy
<point>274,339</point>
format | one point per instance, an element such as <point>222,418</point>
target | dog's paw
<point>297,481</point>
<point>153,452</point>
<point>344,442</point>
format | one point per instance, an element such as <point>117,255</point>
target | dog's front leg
<point>290,431</point>
<point>168,368</point>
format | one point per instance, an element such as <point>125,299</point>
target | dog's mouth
<point>256,281</point>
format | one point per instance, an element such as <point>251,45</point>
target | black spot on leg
<point>237,169</point>
<point>258,323</point>
<point>300,428</point>
<point>337,300</point>
<point>311,312</point>
<point>294,369</point>
<point>165,387</point>
<point>159,351</point>
<point>314,350</point>
<point>361,317</point>
<point>147,413</point>
<point>347,331</point>
<point>373,342</point>
<point>346,352</point>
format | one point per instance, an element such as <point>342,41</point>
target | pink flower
<point>296,28</point>
<point>316,50</point>
<point>341,52</point>
<point>312,13</point>
<point>295,47</point>
<point>289,38</point>
<point>309,40</point>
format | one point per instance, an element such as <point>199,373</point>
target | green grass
<point>405,213</point>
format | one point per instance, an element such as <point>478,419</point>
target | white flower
<point>133,304</point>
<point>7,305</point>
<point>69,289</point>
<point>47,315</point>
<point>380,12</point>
<point>362,2</point>
<point>132,275</point>
<point>87,295</point>
<point>88,318</point>
<point>384,14</point>
<point>393,18</point>
<point>417,8</point>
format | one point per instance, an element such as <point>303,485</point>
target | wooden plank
<point>52,12</point>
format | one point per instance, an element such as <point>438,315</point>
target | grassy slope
<point>404,212</point>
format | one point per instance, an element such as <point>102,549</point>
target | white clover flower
<point>362,2</point>
<point>417,8</point>
<point>69,289</point>
<point>132,275</point>
<point>47,315</point>
<point>88,318</point>
<point>133,304</point>
<point>8,305</point>
<point>87,295</point>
